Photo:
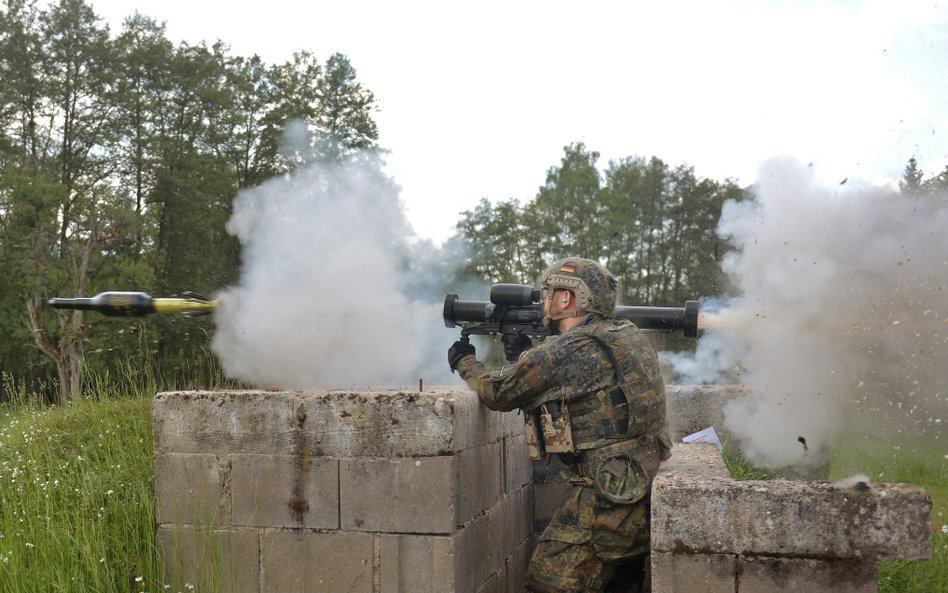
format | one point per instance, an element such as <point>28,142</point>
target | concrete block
<point>693,512</point>
<point>515,567</point>
<point>517,465</point>
<point>686,573</point>
<point>285,491</point>
<point>524,514</point>
<point>298,561</point>
<point>210,559</point>
<point>225,421</point>
<point>477,425</point>
<point>502,521</point>
<point>495,584</point>
<point>387,423</point>
<point>382,423</point>
<point>188,489</point>
<point>480,475</point>
<point>417,564</point>
<point>471,555</point>
<point>398,495</point>
<point>798,575</point>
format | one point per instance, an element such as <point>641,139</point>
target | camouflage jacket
<point>573,366</point>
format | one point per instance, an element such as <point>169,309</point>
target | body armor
<point>633,407</point>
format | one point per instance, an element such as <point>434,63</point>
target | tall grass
<point>77,498</point>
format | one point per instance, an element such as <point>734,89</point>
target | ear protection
<point>565,300</point>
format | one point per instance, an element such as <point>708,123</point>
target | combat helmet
<point>593,285</point>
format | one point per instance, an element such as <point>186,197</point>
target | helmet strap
<point>548,318</point>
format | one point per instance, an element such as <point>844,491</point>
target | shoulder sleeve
<point>514,385</point>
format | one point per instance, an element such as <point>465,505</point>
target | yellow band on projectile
<point>173,306</point>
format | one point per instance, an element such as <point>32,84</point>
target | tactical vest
<point>633,408</point>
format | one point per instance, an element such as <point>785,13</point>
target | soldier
<point>592,394</point>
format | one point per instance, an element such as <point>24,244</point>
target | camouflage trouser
<point>586,541</point>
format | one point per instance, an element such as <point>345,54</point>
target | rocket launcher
<point>139,304</point>
<point>515,310</point>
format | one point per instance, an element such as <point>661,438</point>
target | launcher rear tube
<point>684,319</point>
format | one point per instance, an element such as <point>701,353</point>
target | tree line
<point>121,154</point>
<point>652,225</point>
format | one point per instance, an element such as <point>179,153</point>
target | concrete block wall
<point>400,491</point>
<point>340,491</point>
<point>712,533</point>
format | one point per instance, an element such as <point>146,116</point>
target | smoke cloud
<point>335,291</point>
<point>842,318</point>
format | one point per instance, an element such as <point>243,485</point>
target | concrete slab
<point>398,495</point>
<point>285,491</point>
<point>696,509</point>
<point>299,561</point>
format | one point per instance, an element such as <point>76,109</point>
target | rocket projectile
<point>138,304</point>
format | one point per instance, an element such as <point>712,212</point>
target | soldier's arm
<point>511,386</point>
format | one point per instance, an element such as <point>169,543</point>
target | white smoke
<point>842,320</point>
<point>335,289</point>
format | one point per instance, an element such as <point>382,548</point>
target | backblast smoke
<point>330,294</point>
<point>841,322</point>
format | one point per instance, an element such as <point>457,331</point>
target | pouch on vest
<point>621,479</point>
<point>534,443</point>
<point>557,432</point>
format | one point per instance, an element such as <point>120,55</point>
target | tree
<point>343,118</point>
<point>563,219</point>
<point>295,97</point>
<point>143,81</point>
<point>912,178</point>
<point>494,242</point>
<point>60,175</point>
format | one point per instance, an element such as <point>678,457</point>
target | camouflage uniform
<point>584,382</point>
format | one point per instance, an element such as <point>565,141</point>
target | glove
<point>457,351</point>
<point>514,345</point>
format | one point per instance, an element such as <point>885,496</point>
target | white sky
<point>478,99</point>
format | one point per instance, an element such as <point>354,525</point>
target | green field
<point>77,506</point>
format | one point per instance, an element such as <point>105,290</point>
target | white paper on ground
<point>708,435</point>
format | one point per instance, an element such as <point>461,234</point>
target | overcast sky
<point>477,99</point>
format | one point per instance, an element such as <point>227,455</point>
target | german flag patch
<point>568,269</point>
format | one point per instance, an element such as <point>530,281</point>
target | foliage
<point>119,161</point>
<point>654,227</point>
<point>77,497</point>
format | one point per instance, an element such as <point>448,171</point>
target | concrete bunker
<point>403,491</point>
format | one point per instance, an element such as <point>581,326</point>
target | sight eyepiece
<point>514,294</point>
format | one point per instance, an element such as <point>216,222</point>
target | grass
<point>77,498</point>
<point>920,465</point>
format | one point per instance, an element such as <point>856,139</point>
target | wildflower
<point>944,528</point>
<point>139,579</point>
<point>110,492</point>
<point>29,545</point>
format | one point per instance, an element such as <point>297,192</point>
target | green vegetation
<point>120,158</point>
<point>77,502</point>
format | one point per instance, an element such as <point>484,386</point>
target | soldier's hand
<point>457,351</point>
<point>514,345</point>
